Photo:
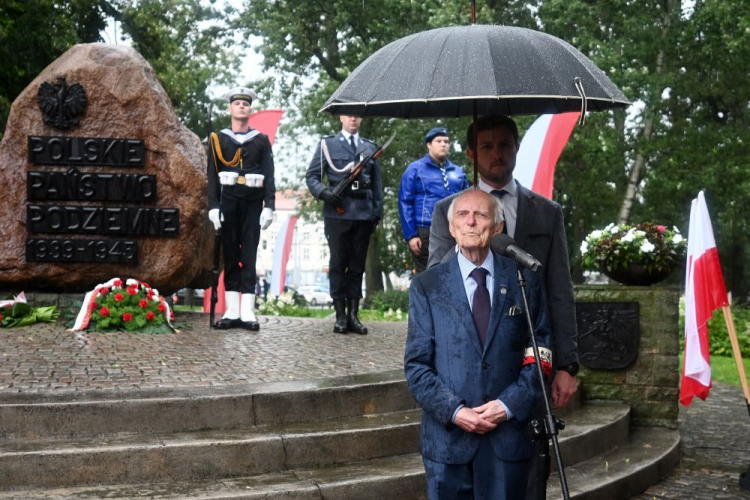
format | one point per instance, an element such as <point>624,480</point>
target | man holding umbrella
<point>349,218</point>
<point>536,224</point>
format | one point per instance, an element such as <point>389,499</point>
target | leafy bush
<point>285,305</point>
<point>390,299</point>
<point>718,335</point>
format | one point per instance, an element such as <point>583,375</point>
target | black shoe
<point>228,324</point>
<point>352,321</point>
<point>340,307</point>
<point>253,326</point>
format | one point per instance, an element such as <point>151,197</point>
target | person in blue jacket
<point>424,183</point>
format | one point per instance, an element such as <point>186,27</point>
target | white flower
<point>596,234</point>
<point>615,230</point>
<point>610,226</point>
<point>584,248</point>
<point>647,246</point>
<point>677,238</point>
<point>628,237</point>
<point>131,282</point>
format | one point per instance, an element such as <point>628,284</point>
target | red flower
<point>1,317</point>
<point>119,297</point>
<point>127,317</point>
<point>104,291</point>
<point>104,311</point>
<point>162,307</point>
<point>142,303</point>
<point>132,290</point>
<point>117,283</point>
<point>661,229</point>
<point>150,294</point>
<point>171,315</point>
<point>150,316</point>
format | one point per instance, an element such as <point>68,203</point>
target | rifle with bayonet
<point>357,169</point>
<point>216,273</point>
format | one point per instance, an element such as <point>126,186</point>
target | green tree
<point>189,45</point>
<point>310,47</point>
<point>33,33</point>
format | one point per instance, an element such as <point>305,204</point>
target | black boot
<point>353,323</point>
<point>340,306</point>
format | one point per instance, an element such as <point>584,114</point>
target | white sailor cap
<point>242,93</point>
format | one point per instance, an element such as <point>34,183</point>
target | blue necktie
<point>351,141</point>
<point>480,304</point>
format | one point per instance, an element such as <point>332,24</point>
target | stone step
<point>592,430</point>
<point>207,454</point>
<point>24,417</point>
<point>647,456</point>
<point>398,477</point>
<point>626,470</point>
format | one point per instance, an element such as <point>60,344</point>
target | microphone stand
<point>551,426</point>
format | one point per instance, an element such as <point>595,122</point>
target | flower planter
<point>637,275</point>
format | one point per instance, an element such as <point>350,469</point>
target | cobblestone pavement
<point>715,449</point>
<point>45,358</point>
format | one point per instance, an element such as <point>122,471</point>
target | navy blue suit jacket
<point>446,365</point>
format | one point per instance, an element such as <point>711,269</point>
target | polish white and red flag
<point>541,148</point>
<point>704,293</point>
<point>281,253</point>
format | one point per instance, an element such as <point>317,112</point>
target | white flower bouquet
<point>654,247</point>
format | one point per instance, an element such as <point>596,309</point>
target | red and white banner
<point>540,149</point>
<point>267,122</point>
<point>281,253</point>
<point>704,293</point>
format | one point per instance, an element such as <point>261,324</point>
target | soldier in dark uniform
<point>348,233</point>
<point>241,197</point>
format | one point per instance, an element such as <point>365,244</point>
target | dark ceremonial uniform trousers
<point>348,234</point>
<point>348,241</point>
<point>240,205</point>
<point>420,261</point>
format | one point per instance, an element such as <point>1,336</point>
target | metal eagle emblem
<point>61,104</point>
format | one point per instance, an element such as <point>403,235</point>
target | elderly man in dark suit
<point>469,364</point>
<point>350,218</point>
<point>536,223</point>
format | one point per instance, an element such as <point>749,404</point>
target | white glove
<point>214,215</point>
<point>266,218</point>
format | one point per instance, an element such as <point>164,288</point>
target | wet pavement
<point>47,361</point>
<point>715,450</point>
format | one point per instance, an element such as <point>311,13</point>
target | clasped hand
<point>482,419</point>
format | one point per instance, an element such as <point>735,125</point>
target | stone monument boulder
<point>79,207</point>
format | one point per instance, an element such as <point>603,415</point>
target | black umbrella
<point>446,72</point>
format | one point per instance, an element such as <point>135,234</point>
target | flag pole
<point>745,476</point>
<point>737,354</point>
